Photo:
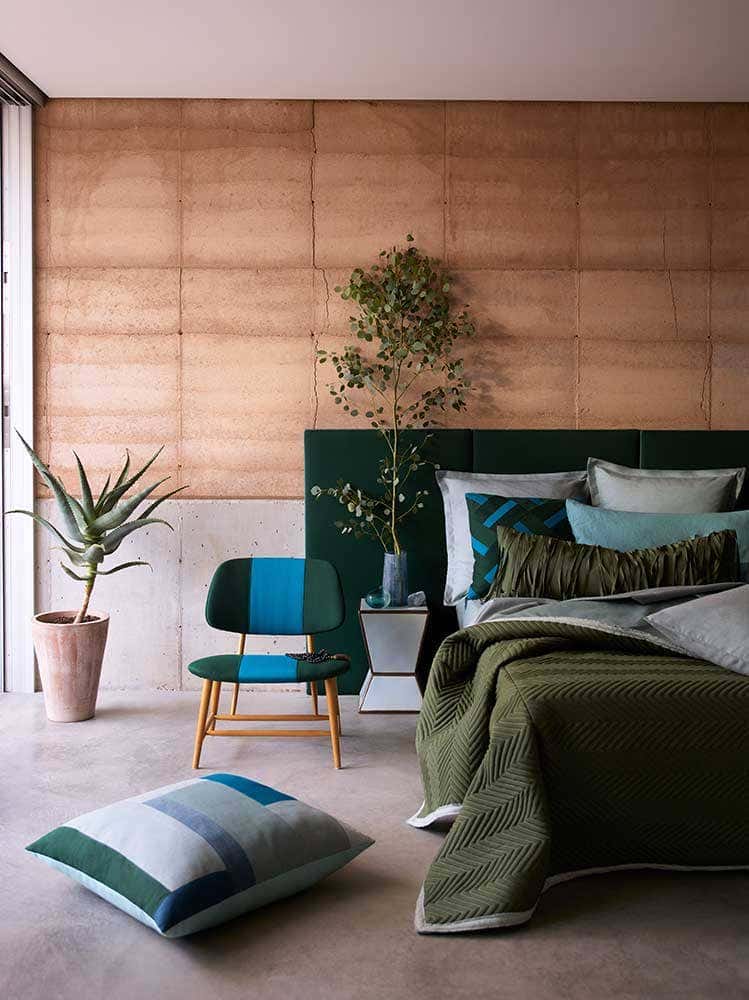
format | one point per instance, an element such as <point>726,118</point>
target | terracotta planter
<point>69,658</point>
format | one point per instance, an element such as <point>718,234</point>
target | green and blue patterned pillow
<point>195,854</point>
<point>531,515</point>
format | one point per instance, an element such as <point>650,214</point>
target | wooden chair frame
<point>208,714</point>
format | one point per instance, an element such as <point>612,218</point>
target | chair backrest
<point>275,597</point>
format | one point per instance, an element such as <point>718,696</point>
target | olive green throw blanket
<point>567,748</point>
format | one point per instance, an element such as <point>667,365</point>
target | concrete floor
<point>636,935</point>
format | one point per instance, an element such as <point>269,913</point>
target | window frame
<point>18,396</point>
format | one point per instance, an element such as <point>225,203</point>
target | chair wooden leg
<point>202,716</point>
<point>331,695</point>
<point>234,697</point>
<point>338,711</point>
<point>313,692</point>
<point>215,695</point>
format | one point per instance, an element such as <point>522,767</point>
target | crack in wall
<point>316,345</point>
<point>705,401</point>
<point>707,382</point>
<point>669,280</point>
<point>316,333</point>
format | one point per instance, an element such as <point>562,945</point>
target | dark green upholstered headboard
<point>551,450</point>
<point>696,450</point>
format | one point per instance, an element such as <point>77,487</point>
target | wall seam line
<point>444,183</point>
<point>578,274</point>
<point>707,385</point>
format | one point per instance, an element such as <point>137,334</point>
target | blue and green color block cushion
<point>265,669</point>
<point>530,515</point>
<point>275,597</point>
<point>195,854</point>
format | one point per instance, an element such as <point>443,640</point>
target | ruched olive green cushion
<point>541,566</point>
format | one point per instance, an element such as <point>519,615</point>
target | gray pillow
<point>663,491</point>
<point>455,485</point>
<point>714,628</point>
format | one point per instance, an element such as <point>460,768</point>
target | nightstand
<point>392,639</point>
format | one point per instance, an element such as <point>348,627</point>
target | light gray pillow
<point>714,628</point>
<point>663,491</point>
<point>455,485</point>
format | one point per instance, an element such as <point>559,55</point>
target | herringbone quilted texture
<point>572,749</point>
<point>530,515</point>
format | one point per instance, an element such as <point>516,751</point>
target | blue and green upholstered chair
<point>271,597</point>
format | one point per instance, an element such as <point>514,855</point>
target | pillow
<point>625,531</point>
<point>529,514</point>
<point>455,485</point>
<point>714,628</point>
<point>192,855</point>
<point>541,566</point>
<point>663,491</point>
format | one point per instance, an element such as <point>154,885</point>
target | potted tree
<point>70,645</point>
<point>402,382</point>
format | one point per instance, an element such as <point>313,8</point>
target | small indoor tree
<point>403,381</point>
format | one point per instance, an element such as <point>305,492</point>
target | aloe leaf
<point>69,546</point>
<point>69,571</point>
<point>102,495</point>
<point>69,515</point>
<point>121,488</point>
<point>149,510</point>
<point>113,540</point>
<point>114,518</point>
<point>125,469</point>
<point>125,565</point>
<point>76,558</point>
<point>79,514</point>
<point>87,500</point>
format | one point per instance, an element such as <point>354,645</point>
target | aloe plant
<point>95,528</point>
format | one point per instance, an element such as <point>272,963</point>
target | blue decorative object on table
<point>378,598</point>
<point>395,577</point>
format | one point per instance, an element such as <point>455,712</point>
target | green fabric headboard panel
<point>330,455</point>
<point>696,450</point>
<point>551,450</point>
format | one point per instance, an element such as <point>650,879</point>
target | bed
<point>562,738</point>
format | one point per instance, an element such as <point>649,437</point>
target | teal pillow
<point>486,513</point>
<point>192,855</point>
<point>625,531</point>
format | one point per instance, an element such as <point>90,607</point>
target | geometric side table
<point>392,639</point>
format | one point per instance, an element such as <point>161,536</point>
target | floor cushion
<point>195,854</point>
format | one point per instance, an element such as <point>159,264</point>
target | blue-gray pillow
<point>626,531</point>
<point>195,854</point>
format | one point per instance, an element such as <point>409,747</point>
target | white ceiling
<point>398,49</point>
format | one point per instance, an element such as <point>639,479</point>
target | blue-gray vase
<point>395,577</point>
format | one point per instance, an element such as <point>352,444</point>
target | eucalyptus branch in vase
<point>401,383</point>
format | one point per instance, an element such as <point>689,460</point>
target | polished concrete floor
<point>636,935</point>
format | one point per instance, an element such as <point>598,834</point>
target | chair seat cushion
<point>259,668</point>
<point>195,854</point>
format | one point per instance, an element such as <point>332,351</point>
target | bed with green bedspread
<point>566,740</point>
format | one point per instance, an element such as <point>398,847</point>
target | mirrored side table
<point>393,638</point>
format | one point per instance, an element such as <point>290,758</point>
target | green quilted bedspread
<point>564,749</point>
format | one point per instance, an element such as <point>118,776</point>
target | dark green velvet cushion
<point>533,515</point>
<point>540,566</point>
